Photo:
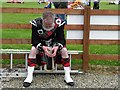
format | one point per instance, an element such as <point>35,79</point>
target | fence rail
<point>69,41</point>
<point>58,11</point>
<point>67,27</point>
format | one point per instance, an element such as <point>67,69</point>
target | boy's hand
<point>54,51</point>
<point>47,51</point>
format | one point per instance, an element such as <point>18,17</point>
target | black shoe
<point>26,84</point>
<point>69,83</point>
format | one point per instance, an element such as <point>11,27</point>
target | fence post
<point>85,64</point>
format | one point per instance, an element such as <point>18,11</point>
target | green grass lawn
<point>97,62</point>
<point>107,6</point>
<point>13,33</point>
<point>24,5</point>
<point>18,18</point>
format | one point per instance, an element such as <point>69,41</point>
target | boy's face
<point>48,24</point>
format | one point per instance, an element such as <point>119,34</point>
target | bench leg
<point>70,61</point>
<point>11,61</point>
<point>26,61</point>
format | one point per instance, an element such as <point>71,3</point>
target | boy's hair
<point>48,15</point>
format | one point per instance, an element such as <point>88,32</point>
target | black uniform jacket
<point>47,38</point>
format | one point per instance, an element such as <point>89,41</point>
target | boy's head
<point>48,20</point>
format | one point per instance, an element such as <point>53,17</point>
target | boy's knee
<point>64,53</point>
<point>33,52</point>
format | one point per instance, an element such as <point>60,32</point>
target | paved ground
<point>86,80</point>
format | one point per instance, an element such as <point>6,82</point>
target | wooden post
<point>85,64</point>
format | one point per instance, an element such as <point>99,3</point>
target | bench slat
<point>18,51</point>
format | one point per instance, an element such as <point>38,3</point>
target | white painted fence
<point>94,20</point>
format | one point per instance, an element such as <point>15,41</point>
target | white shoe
<point>28,80</point>
<point>67,79</point>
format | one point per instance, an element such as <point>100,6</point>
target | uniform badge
<point>59,22</point>
<point>40,31</point>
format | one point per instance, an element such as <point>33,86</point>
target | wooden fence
<point>86,27</point>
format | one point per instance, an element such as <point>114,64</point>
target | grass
<point>97,62</point>
<point>104,49</point>
<point>18,46</point>
<point>13,33</point>
<point>105,62</point>
<point>24,5</point>
<point>107,6</point>
<point>18,18</point>
<point>15,62</point>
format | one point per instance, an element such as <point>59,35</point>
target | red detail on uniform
<point>41,54</point>
<point>31,65</point>
<point>43,63</point>
<point>30,62</point>
<point>66,63</point>
<point>49,33</point>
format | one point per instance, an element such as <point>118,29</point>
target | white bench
<point>26,52</point>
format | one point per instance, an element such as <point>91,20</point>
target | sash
<point>47,34</point>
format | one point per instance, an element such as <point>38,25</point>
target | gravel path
<point>86,80</point>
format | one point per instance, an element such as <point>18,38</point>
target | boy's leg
<point>28,80</point>
<point>31,66</point>
<point>66,64</point>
